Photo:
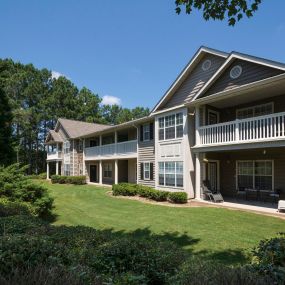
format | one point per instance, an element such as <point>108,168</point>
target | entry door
<point>213,117</point>
<point>93,173</point>
<point>213,175</point>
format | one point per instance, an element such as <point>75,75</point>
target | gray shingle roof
<point>76,129</point>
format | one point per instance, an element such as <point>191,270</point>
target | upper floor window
<point>255,111</point>
<point>146,132</point>
<point>66,147</point>
<point>170,127</point>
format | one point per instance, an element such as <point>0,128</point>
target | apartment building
<point>221,121</point>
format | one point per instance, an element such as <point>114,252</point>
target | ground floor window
<point>108,170</point>
<point>255,174</point>
<point>171,174</point>
<point>146,171</point>
<point>66,169</point>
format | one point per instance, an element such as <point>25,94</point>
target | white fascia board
<point>192,63</point>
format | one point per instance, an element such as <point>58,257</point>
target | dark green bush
<point>158,195</point>
<point>77,180</point>
<point>12,208</point>
<point>38,176</point>
<point>177,197</point>
<point>144,191</point>
<point>124,189</point>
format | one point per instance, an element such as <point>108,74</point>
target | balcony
<point>54,155</point>
<point>110,151</point>
<point>256,129</point>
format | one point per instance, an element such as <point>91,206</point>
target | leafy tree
<point>6,146</point>
<point>232,10</point>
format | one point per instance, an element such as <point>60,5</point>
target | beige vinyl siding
<point>194,82</point>
<point>251,72</point>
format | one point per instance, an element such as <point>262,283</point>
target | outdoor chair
<point>213,197</point>
<point>275,195</point>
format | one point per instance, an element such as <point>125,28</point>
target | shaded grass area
<point>216,234</point>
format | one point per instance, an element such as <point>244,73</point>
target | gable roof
<point>76,129</point>
<point>234,56</point>
<point>186,71</point>
<point>54,136</point>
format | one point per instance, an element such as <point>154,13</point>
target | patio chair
<point>213,197</point>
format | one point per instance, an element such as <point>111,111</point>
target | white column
<point>56,168</point>
<point>47,170</point>
<point>116,171</point>
<point>197,124</point>
<point>100,172</point>
<point>198,177</point>
<point>83,159</point>
<point>116,140</point>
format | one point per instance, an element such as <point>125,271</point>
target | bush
<point>38,176</point>
<point>12,208</point>
<point>158,195</point>
<point>144,191</point>
<point>124,189</point>
<point>77,180</point>
<point>269,258</point>
<point>178,197</point>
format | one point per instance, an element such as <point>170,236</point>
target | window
<point>66,169</point>
<point>66,147</point>
<point>146,132</point>
<point>146,171</point>
<point>255,111</point>
<point>170,127</point>
<point>206,65</point>
<point>80,146</point>
<point>108,170</point>
<point>171,174</point>
<point>255,174</point>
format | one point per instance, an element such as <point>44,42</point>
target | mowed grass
<point>214,233</point>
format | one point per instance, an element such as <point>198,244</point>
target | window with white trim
<point>66,147</point>
<point>66,169</point>
<point>255,111</point>
<point>146,171</point>
<point>255,174</point>
<point>171,173</point>
<point>107,170</point>
<point>170,127</point>
<point>146,132</point>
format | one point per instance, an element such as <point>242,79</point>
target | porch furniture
<point>213,197</point>
<point>241,193</point>
<point>281,205</point>
<point>275,195</point>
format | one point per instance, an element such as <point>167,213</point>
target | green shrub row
<point>129,189</point>
<point>77,180</point>
<point>38,176</point>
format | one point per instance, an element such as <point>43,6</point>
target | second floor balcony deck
<point>112,151</point>
<point>256,129</point>
<point>54,155</point>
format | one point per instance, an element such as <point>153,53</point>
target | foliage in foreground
<point>77,180</point>
<point>129,189</point>
<point>19,195</point>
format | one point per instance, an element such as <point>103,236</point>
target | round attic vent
<point>236,71</point>
<point>206,65</point>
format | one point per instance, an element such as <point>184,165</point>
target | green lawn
<point>214,233</point>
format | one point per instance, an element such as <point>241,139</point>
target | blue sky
<point>132,50</point>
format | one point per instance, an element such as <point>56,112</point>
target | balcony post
<point>47,170</point>
<point>100,172</point>
<point>237,130</point>
<point>56,168</point>
<point>116,141</point>
<point>116,171</point>
<point>197,124</point>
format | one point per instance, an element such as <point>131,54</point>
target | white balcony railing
<point>115,149</point>
<point>55,155</point>
<point>269,127</point>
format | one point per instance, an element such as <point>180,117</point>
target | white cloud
<point>56,75</point>
<point>111,100</point>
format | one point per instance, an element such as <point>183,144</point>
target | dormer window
<point>236,72</point>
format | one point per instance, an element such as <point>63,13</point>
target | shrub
<point>38,176</point>
<point>12,208</point>
<point>151,258</point>
<point>124,189</point>
<point>158,195</point>
<point>77,180</point>
<point>144,191</point>
<point>178,197</point>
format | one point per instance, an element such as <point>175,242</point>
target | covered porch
<point>249,177</point>
<point>111,171</point>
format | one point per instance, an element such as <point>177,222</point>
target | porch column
<point>83,160</point>
<point>56,168</point>
<point>116,140</point>
<point>116,171</point>
<point>47,170</point>
<point>197,124</point>
<point>198,176</point>
<point>100,172</point>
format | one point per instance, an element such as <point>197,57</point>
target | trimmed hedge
<point>13,208</point>
<point>178,197</point>
<point>77,180</point>
<point>129,189</point>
